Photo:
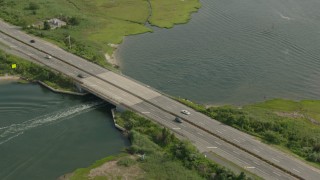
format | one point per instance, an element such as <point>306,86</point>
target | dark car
<point>32,41</point>
<point>81,75</point>
<point>179,120</point>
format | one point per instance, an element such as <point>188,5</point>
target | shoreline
<point>111,59</point>
<point>60,91</point>
<point>10,78</point>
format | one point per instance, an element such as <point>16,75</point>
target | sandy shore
<point>9,78</point>
<point>111,58</point>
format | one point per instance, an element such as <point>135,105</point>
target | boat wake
<point>9,132</point>
<point>284,17</point>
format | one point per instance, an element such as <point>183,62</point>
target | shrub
<point>33,6</point>
<point>46,25</point>
<point>126,161</point>
<point>74,21</point>
<point>272,137</point>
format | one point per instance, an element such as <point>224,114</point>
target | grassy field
<point>98,23</point>
<point>290,125</point>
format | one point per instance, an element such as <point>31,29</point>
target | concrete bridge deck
<point>207,134</point>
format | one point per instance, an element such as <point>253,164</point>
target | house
<point>56,23</point>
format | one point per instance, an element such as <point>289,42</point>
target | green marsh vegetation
<point>290,125</point>
<point>167,13</point>
<point>97,24</point>
<point>166,157</point>
<point>32,71</point>
<point>160,145</point>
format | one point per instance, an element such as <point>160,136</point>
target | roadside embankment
<point>289,125</point>
<point>29,71</point>
<point>113,113</point>
<point>61,91</point>
<point>155,153</point>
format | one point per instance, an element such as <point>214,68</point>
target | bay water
<point>232,52</point>
<point>44,135</point>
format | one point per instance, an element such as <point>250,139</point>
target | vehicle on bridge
<point>179,120</point>
<point>185,112</point>
<point>80,75</point>
<point>48,56</point>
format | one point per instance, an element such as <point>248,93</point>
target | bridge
<point>207,134</point>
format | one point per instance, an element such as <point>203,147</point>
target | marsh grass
<point>99,22</point>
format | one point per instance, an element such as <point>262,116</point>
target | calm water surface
<point>233,51</point>
<point>44,135</point>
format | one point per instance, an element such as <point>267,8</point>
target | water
<point>232,52</point>
<point>44,135</point>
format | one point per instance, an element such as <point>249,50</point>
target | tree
<point>241,176</point>
<point>74,21</point>
<point>316,147</point>
<point>272,137</point>
<point>46,25</point>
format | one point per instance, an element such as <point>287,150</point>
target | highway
<point>207,134</point>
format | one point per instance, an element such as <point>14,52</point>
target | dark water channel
<point>44,135</point>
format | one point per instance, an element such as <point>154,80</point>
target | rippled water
<point>44,135</point>
<point>233,51</point>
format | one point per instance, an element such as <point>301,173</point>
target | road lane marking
<point>183,125</point>
<point>145,112</point>
<point>296,170</point>
<point>176,128</point>
<point>241,161</point>
<point>217,142</point>
<point>236,140</point>
<point>200,134</point>
<point>256,163</point>
<point>212,147</point>
<point>275,160</point>
<point>256,150</point>
<point>262,171</point>
<point>219,132</point>
<point>202,123</point>
<point>236,152</point>
<point>249,167</point>
<point>276,173</point>
<point>12,46</point>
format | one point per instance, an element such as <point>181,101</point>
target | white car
<point>185,112</point>
<point>48,56</point>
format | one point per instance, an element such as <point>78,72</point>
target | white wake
<point>9,132</point>
<point>284,17</point>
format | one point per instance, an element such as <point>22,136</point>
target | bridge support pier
<point>120,108</point>
<point>79,88</point>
